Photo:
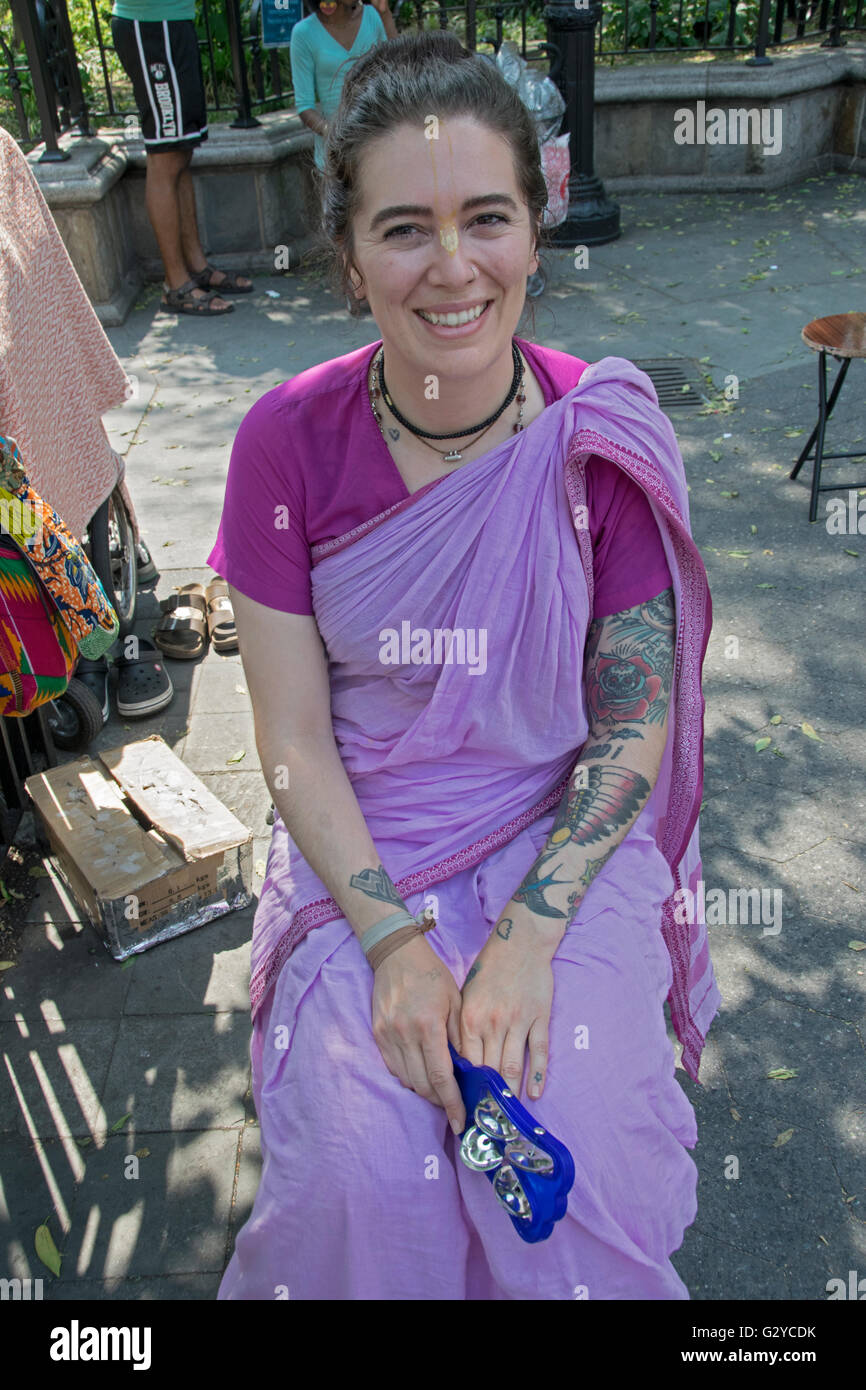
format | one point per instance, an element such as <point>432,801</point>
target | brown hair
<point>402,82</point>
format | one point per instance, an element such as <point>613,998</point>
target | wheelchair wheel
<point>75,717</point>
<point>112,553</point>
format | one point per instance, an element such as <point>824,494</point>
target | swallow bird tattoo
<point>532,888</point>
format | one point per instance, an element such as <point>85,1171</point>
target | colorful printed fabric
<point>56,556</point>
<point>37,650</point>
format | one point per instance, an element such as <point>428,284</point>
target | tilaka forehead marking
<point>448,238</point>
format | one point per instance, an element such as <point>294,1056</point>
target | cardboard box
<point>146,850</point>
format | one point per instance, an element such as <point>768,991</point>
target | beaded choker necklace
<point>451,455</point>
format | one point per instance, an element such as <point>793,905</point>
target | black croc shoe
<point>143,686</point>
<point>94,674</point>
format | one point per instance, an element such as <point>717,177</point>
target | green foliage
<point>217,62</point>
<point>696,14</point>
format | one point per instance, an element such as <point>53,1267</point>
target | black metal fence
<point>49,84</point>
<point>26,746</point>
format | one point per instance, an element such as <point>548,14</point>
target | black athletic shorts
<point>161,57</point>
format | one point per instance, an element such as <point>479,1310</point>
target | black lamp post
<point>592,218</point>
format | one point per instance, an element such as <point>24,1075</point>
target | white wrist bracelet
<point>389,924</point>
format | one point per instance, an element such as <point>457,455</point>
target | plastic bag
<point>541,97</point>
<point>545,103</point>
<point>556,163</point>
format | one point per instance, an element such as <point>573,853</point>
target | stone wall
<point>254,188</point>
<point>820,94</point>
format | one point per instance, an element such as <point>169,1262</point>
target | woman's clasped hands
<point>503,1009</point>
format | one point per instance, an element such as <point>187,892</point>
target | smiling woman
<point>447,288</point>
<point>457,491</point>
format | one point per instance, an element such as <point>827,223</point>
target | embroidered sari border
<point>692,1006</point>
<point>692,638</point>
<point>322,910</point>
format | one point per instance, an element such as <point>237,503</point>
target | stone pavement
<point>164,1040</point>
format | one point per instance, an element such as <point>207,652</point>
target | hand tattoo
<point>473,971</point>
<point>507,924</point>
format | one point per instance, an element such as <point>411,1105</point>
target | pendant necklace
<point>449,456</point>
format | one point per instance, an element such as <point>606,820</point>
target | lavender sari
<point>459,765</point>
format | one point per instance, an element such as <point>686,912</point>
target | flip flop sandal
<point>220,617</point>
<point>229,285</point>
<point>144,686</point>
<point>182,630</point>
<point>184,300</point>
<point>531,1172</point>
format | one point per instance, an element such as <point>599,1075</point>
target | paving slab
<point>39,1184</point>
<point>713,1269</point>
<point>204,971</point>
<point>175,1072</point>
<point>220,742</point>
<point>199,1288</point>
<point>246,795</point>
<point>742,1172</point>
<point>65,973</point>
<point>806,965</point>
<point>54,1076</point>
<point>154,1205</point>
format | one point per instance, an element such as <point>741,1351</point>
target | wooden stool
<point>843,336</point>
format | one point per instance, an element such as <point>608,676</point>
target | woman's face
<point>431,210</point>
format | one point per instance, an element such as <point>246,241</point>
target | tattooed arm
<point>628,667</point>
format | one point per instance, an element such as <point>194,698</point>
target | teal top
<point>149,10</point>
<point>320,64</point>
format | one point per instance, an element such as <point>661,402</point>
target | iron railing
<point>48,88</point>
<point>26,746</point>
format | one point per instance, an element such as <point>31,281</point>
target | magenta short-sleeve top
<point>309,463</point>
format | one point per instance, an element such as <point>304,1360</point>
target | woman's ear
<point>357,280</point>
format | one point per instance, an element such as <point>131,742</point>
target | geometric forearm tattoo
<point>376,884</point>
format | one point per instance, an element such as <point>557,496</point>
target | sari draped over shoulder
<point>455,625</point>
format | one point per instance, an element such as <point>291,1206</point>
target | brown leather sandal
<point>229,285</point>
<point>182,632</point>
<point>186,300</point>
<point>220,617</point>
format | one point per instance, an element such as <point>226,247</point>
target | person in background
<point>323,49</point>
<point>157,44</point>
<point>319,67</point>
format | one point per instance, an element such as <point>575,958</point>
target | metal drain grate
<point>670,376</point>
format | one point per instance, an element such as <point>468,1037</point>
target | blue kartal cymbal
<point>531,1171</point>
